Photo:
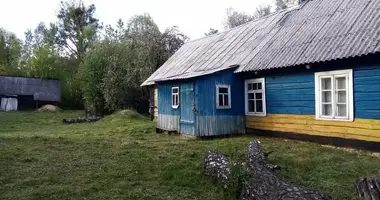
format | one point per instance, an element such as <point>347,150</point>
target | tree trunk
<point>369,188</point>
<point>264,184</point>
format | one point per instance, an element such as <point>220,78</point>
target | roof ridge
<point>289,9</point>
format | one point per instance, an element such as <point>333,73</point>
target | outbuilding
<point>23,93</point>
<point>310,72</point>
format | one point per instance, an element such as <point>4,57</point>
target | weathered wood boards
<point>262,182</point>
<point>369,188</point>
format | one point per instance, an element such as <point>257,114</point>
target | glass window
<point>175,97</point>
<point>223,96</point>
<point>334,98</point>
<point>255,97</point>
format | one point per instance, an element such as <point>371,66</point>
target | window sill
<point>334,119</point>
<point>256,114</point>
<point>223,107</point>
<point>175,107</point>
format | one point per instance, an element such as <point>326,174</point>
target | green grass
<point>121,157</point>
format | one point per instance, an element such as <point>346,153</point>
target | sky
<point>194,17</point>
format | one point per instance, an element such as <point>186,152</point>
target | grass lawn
<point>122,158</point>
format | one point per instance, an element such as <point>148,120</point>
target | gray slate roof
<point>41,90</point>
<point>321,30</point>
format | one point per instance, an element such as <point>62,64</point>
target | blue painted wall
<point>294,92</point>
<point>205,91</point>
<point>367,91</point>
<point>208,120</point>
<point>290,94</point>
<point>164,98</point>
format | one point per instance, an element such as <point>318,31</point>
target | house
<point>310,72</point>
<point>22,93</point>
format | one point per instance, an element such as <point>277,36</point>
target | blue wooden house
<point>309,72</point>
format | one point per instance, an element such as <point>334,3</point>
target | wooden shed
<point>27,93</point>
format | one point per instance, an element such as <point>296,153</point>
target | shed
<point>310,72</point>
<point>27,93</point>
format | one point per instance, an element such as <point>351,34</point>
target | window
<point>334,95</point>
<point>255,97</point>
<point>175,97</point>
<point>223,96</point>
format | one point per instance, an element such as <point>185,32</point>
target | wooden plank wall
<point>360,129</point>
<point>155,114</point>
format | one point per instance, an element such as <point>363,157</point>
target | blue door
<point>187,118</point>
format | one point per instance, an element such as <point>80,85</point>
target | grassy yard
<point>122,158</point>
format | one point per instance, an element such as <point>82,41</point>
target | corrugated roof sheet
<point>321,30</point>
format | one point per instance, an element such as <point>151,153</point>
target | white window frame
<point>257,80</point>
<point>218,106</point>
<point>349,94</point>
<point>175,94</point>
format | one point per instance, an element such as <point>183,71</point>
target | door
<point>187,106</point>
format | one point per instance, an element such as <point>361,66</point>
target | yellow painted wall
<point>359,129</point>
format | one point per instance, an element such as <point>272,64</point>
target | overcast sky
<point>194,17</point>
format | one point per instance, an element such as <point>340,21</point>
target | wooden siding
<point>211,121</point>
<point>220,125</point>
<point>360,129</point>
<point>205,91</point>
<point>290,94</point>
<point>367,92</point>
<point>290,99</point>
<point>155,99</point>
<point>168,122</point>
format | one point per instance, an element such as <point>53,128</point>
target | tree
<point>171,40</point>
<point>77,27</point>
<point>115,34</point>
<point>112,71</point>
<point>212,32</point>
<point>235,18</point>
<point>280,4</point>
<point>10,53</point>
<point>262,11</point>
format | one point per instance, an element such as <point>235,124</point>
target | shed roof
<point>41,90</point>
<point>320,30</point>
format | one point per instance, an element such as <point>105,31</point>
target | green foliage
<point>77,27</point>
<point>111,72</point>
<point>91,74</point>
<point>122,158</point>
<point>10,53</point>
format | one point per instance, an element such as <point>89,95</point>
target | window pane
<point>341,110</point>
<point>341,82</point>
<point>175,90</point>
<point>221,100</point>
<point>259,105</point>
<point>249,86</point>
<point>259,95</point>
<point>226,103</point>
<point>223,90</point>
<point>326,83</point>
<point>251,106</point>
<point>326,97</point>
<point>251,96</point>
<point>259,86</point>
<point>173,100</point>
<point>176,100</point>
<point>254,86</point>
<point>342,97</point>
<point>326,109</point>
